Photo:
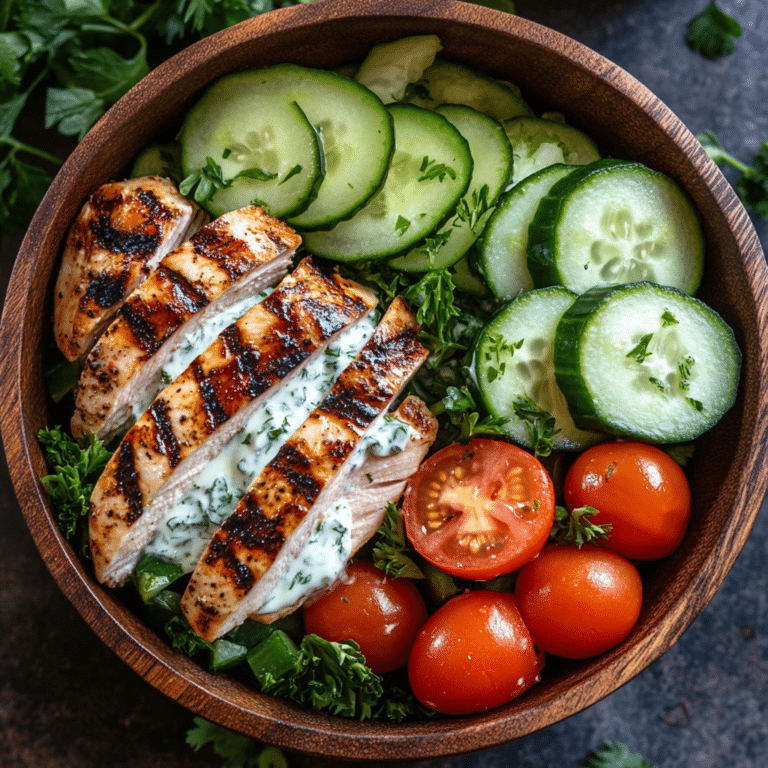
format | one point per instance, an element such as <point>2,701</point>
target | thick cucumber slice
<point>244,124</point>
<point>513,359</point>
<point>162,160</point>
<point>492,156</point>
<point>355,132</point>
<point>389,68</point>
<point>538,143</point>
<point>613,222</point>
<point>429,172</point>
<point>448,82</point>
<point>502,256</point>
<point>646,361</point>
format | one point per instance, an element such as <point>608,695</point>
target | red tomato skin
<point>578,603</point>
<point>529,534</point>
<point>473,654</point>
<point>381,614</point>
<point>637,488</point>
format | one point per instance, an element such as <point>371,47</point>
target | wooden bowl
<point>727,474</point>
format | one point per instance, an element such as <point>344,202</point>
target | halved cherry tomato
<point>479,510</point>
<point>637,488</point>
<point>578,603</point>
<point>382,615</point>
<point>473,654</point>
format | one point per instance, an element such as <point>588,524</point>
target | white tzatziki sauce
<point>192,344</point>
<point>189,525</point>
<point>320,561</point>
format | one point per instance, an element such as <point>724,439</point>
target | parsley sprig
<point>575,527</point>
<point>614,754</point>
<point>712,31</point>
<point>392,552</point>
<point>752,186</point>
<point>542,426</point>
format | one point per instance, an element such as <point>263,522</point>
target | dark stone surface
<point>65,700</point>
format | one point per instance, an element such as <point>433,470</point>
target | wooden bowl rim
<point>227,702</point>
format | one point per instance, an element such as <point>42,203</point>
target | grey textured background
<point>66,701</point>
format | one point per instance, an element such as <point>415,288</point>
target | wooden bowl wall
<point>728,477</point>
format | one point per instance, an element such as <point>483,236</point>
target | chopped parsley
<point>711,32</point>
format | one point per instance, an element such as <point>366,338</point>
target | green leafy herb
<point>640,351</point>
<point>542,426</point>
<point>667,318</point>
<point>76,468</point>
<point>697,405</point>
<point>432,245</point>
<point>392,552</point>
<point>293,172</point>
<point>205,182</point>
<point>614,754</point>
<point>238,751</point>
<point>575,527</point>
<point>431,169</point>
<point>473,211</point>
<point>684,369</point>
<point>402,225</point>
<point>752,186</point>
<point>464,416</point>
<point>712,31</point>
<point>330,676</point>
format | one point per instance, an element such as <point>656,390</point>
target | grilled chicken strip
<point>377,482</point>
<point>191,419</point>
<point>229,259</point>
<point>120,235</point>
<point>245,558</point>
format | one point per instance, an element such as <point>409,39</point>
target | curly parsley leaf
<point>330,676</point>
<point>465,418</point>
<point>203,183</point>
<point>614,754</point>
<point>75,470</point>
<point>752,186</point>
<point>542,426</point>
<point>575,527</point>
<point>712,31</point>
<point>392,552</point>
<point>238,751</point>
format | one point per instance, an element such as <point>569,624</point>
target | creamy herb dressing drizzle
<point>190,346</point>
<point>320,561</point>
<point>189,525</point>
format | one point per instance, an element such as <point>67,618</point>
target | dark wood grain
<point>627,120</point>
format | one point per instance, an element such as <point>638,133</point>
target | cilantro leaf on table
<point>711,32</point>
<point>752,186</point>
<point>238,751</point>
<point>614,754</point>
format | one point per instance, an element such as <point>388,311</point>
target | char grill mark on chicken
<point>293,492</point>
<point>121,233</point>
<point>192,418</point>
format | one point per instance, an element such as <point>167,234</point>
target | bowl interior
<point>554,73</point>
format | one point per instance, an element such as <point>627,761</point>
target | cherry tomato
<point>473,654</point>
<point>640,490</point>
<point>382,615</point>
<point>578,603</point>
<point>479,510</point>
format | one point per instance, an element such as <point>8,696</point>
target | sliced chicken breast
<point>246,556</point>
<point>379,481</point>
<point>120,235</point>
<point>191,419</point>
<point>235,256</point>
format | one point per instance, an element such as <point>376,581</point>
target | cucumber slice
<point>501,250</point>
<point>448,82</point>
<point>613,222</point>
<point>162,160</point>
<point>513,359</point>
<point>492,156</point>
<point>646,361</point>
<point>429,172</point>
<point>390,67</point>
<point>356,137</point>
<point>243,123</point>
<point>466,279</point>
<point>538,143</point>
